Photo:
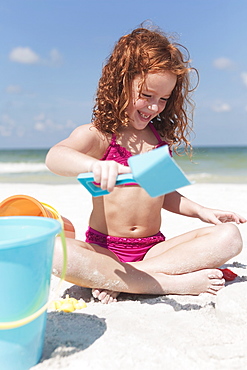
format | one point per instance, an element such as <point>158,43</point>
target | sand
<point>148,332</point>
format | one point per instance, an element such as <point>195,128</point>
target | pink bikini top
<point>118,153</point>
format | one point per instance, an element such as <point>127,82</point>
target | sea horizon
<point>209,164</point>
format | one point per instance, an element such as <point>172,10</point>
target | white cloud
<point>40,117</point>
<point>39,126</point>
<point>244,78</point>
<point>221,107</point>
<point>43,123</point>
<point>55,57</point>
<point>223,63</point>
<point>13,89</point>
<point>6,119</point>
<point>51,124</point>
<point>5,131</point>
<point>7,125</point>
<point>20,131</point>
<point>24,55</point>
<point>70,124</point>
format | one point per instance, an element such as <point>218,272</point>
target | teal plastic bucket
<point>26,252</point>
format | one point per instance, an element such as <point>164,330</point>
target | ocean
<point>208,165</point>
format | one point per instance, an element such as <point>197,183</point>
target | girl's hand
<point>217,217</point>
<point>106,172</point>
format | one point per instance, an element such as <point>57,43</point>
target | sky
<point>52,53</point>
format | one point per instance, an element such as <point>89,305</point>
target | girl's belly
<point>127,212</point>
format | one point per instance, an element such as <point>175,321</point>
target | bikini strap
<point>113,139</point>
<point>111,145</point>
<point>155,132</point>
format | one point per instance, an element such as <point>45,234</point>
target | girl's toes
<point>214,289</point>
<point>215,274</point>
<point>95,293</point>
<point>105,296</point>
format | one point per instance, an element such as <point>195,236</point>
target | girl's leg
<point>96,267</point>
<point>192,259</point>
<point>209,247</point>
<point>182,265</point>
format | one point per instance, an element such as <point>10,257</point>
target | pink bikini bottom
<point>126,249</point>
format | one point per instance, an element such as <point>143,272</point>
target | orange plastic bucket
<point>24,205</point>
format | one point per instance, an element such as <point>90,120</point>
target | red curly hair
<point>136,54</point>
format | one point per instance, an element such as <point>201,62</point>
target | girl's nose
<point>153,107</point>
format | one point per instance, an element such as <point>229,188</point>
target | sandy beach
<point>148,332</point>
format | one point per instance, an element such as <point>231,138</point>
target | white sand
<point>148,332</point>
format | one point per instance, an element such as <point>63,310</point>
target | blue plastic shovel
<point>155,171</point>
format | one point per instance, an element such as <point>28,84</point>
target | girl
<point>141,104</point>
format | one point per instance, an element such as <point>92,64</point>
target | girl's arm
<point>81,152</point>
<point>177,203</point>
<point>75,154</point>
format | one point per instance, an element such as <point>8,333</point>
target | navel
<point>133,228</point>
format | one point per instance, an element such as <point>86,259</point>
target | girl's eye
<point>149,96</point>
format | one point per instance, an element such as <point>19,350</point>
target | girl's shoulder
<point>88,137</point>
<point>88,132</point>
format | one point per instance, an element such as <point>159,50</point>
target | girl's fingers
<point>106,172</point>
<point>97,173</point>
<point>124,169</point>
<point>112,178</point>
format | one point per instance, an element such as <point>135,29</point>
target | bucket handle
<point>35,315</point>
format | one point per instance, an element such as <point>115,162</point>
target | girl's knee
<point>231,238</point>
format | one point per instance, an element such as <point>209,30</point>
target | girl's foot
<point>105,296</point>
<point>194,283</point>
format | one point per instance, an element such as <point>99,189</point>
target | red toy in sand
<point>228,275</point>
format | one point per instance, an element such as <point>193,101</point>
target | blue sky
<point>52,52</point>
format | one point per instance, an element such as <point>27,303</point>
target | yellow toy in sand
<point>67,304</point>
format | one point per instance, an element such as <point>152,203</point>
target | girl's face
<point>148,102</point>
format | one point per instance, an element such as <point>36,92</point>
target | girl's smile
<point>150,99</point>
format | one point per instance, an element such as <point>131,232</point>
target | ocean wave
<point>203,175</point>
<point>22,167</point>
<point>218,178</point>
